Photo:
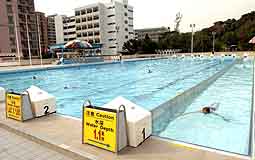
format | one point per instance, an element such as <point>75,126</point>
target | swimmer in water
<point>69,87</point>
<point>211,109</point>
<point>149,71</point>
<point>34,77</point>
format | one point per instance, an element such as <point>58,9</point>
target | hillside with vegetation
<point>230,34</point>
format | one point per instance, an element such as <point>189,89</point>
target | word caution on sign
<point>104,128</point>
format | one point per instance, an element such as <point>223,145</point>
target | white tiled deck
<point>63,135</point>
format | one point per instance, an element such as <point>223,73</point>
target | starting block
<point>42,102</point>
<point>139,120</point>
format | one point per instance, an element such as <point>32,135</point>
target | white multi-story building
<point>69,28</point>
<point>109,24</point>
<point>59,19</point>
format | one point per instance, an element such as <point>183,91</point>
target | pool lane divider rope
<point>168,111</point>
<point>129,83</point>
<point>174,82</point>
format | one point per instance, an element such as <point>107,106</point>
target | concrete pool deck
<point>63,134</point>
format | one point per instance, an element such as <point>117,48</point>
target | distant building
<point>19,28</point>
<point>69,28</point>
<point>51,30</point>
<point>59,19</point>
<point>153,33</point>
<point>109,24</point>
<point>42,27</point>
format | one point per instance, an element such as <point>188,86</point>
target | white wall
<point>59,29</point>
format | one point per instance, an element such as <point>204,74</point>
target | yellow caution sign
<point>13,106</point>
<point>100,128</point>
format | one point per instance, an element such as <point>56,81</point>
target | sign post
<point>102,128</point>
<point>13,106</point>
<point>18,106</point>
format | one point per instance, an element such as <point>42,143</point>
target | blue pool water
<point>233,92</point>
<point>103,83</point>
<point>169,77</point>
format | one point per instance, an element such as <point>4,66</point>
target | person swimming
<point>70,87</point>
<point>211,109</point>
<point>149,71</point>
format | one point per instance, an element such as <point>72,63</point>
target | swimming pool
<point>102,83</point>
<point>150,83</point>
<point>230,129</point>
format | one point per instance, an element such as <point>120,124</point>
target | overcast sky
<point>157,13</point>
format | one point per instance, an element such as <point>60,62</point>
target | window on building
<point>97,40</point>
<point>11,30</point>
<point>130,18</point>
<point>10,20</point>
<point>126,29</point>
<point>90,26</point>
<point>91,41</point>
<point>84,27</point>
<point>12,41</point>
<point>125,14</point>
<point>83,12</point>
<point>78,20</point>
<point>97,33</point>
<point>112,15</point>
<point>130,10</point>
<point>78,35</point>
<point>13,50</point>
<point>83,19</point>
<point>90,18</point>
<point>126,37</point>
<point>112,7</point>
<point>77,13</point>
<point>111,31</point>
<point>95,9</point>
<point>96,17</point>
<point>84,34</point>
<point>89,10</point>
<point>126,22</point>
<point>9,8</point>
<point>113,47</point>
<point>8,0</point>
<point>111,23</point>
<point>78,28</point>
<point>96,25</point>
<point>90,33</point>
<point>125,6</point>
<point>111,39</point>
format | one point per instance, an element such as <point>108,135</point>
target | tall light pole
<point>213,33</point>
<point>17,37</point>
<point>192,26</point>
<point>117,33</point>
<point>28,41</point>
<point>39,39</point>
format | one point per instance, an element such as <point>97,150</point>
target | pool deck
<point>63,134</point>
